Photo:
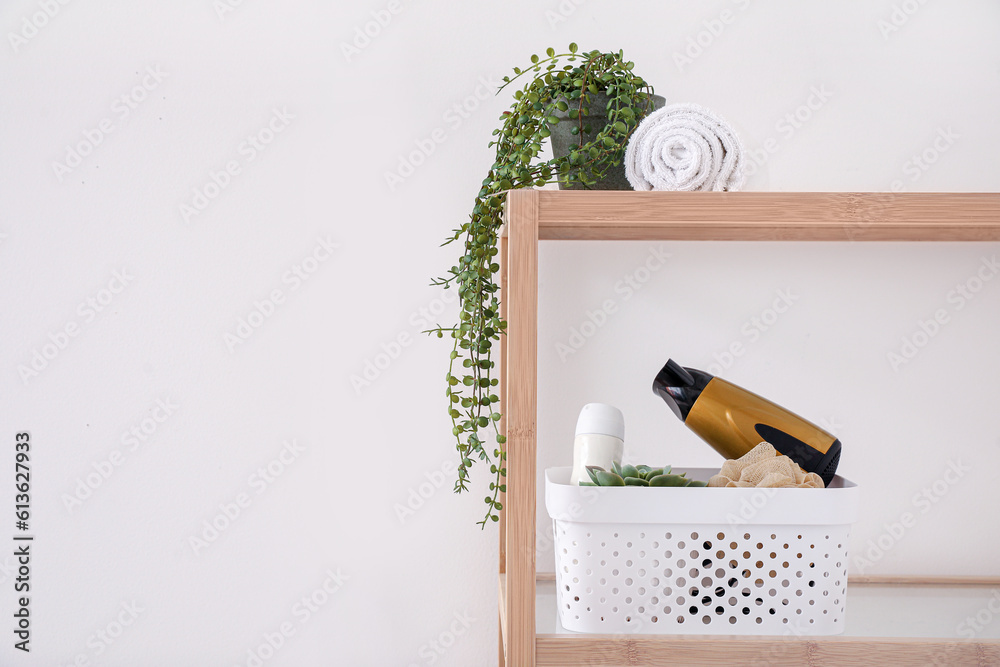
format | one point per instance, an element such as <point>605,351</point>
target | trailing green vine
<point>556,83</point>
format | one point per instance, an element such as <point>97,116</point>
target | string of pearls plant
<point>560,82</point>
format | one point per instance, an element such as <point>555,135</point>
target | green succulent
<point>629,475</point>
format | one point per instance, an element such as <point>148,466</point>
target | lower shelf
<point>897,625</point>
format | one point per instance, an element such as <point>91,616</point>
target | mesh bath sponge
<point>762,467</point>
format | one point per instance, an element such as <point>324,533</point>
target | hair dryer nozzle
<point>679,387</point>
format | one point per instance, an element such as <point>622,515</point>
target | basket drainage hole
<point>654,619</point>
<point>576,598</point>
<point>706,620</point>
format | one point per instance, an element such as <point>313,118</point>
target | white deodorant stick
<point>600,439</point>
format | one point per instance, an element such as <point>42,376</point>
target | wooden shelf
<point>877,635</point>
<point>902,620</point>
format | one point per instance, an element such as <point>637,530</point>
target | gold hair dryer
<point>733,420</point>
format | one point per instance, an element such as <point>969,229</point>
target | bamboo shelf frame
<point>534,215</point>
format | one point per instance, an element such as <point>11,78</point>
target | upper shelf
<point>764,216</point>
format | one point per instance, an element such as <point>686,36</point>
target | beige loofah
<point>762,467</point>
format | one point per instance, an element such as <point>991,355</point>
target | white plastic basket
<point>700,560</point>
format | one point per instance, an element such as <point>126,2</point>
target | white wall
<point>409,584</point>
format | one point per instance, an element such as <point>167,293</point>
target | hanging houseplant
<point>560,89</point>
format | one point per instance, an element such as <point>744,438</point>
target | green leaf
<point>668,480</point>
<point>620,126</point>
<point>629,471</point>
<point>572,47</point>
<point>609,479</point>
<point>635,481</point>
<point>592,472</point>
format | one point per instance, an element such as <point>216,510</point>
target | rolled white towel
<point>684,147</point>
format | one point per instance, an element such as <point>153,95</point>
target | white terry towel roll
<point>684,147</point>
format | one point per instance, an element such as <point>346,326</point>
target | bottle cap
<point>603,419</point>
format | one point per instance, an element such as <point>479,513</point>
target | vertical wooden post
<point>502,652</point>
<point>521,414</point>
<point>502,426</point>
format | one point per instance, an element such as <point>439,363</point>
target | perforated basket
<point>700,560</point>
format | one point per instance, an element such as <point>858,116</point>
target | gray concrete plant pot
<point>597,118</point>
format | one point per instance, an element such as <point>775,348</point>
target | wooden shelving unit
<point>534,215</point>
